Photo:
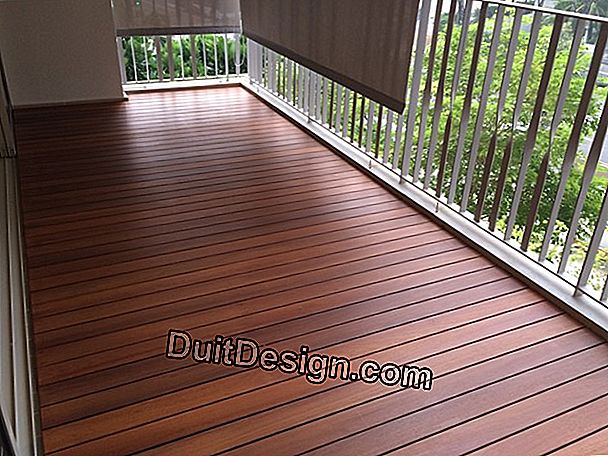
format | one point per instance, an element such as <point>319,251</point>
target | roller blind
<point>173,17</point>
<point>363,44</point>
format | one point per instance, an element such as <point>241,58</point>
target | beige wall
<point>59,51</point>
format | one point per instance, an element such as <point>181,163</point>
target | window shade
<point>173,17</point>
<point>365,45</point>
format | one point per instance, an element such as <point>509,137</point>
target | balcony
<point>240,223</point>
<point>264,201</point>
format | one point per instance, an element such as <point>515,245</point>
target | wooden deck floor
<point>206,211</point>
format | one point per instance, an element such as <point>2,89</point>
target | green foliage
<point>520,130</point>
<point>142,55</point>
<point>592,7</point>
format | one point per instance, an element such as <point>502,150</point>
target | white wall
<point>59,51</point>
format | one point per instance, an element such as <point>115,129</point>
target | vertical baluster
<point>485,178</point>
<point>574,139</point>
<point>275,72</point>
<point>318,96</point>
<point>481,110</point>
<point>534,124</point>
<point>353,117</point>
<point>181,57</point>
<point>414,91</point>
<point>300,86</point>
<point>286,64</point>
<point>444,156</point>
<point>251,59</point>
<point>259,63</point>
<point>263,55</point>
<point>280,70</point>
<point>290,82</point>
<point>440,94</point>
<point>600,226</point>
<point>361,118</point>
<point>338,120</point>
<point>345,113</point>
<point>226,65</point>
<point>370,125</point>
<point>250,70</point>
<point>325,101</point>
<point>331,105</point>
<point>312,95</point>
<point>557,117</point>
<point>454,89</point>
<point>397,148</point>
<point>523,84</point>
<point>426,94</point>
<point>306,89</point>
<point>296,74</point>
<point>387,136</point>
<point>204,53</point>
<point>146,61</point>
<point>237,55</point>
<point>466,110</point>
<point>588,174</point>
<point>502,97</point>
<point>271,71</point>
<point>260,58</point>
<point>378,132</point>
<point>216,66</point>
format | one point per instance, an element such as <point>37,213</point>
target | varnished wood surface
<point>206,211</point>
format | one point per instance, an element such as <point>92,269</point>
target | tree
<point>592,7</point>
<point>505,127</point>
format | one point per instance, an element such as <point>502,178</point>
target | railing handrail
<point>547,10</point>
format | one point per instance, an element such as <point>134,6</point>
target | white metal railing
<point>505,124</point>
<point>18,434</point>
<point>147,59</point>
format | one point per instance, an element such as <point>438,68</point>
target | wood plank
<point>402,290</point>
